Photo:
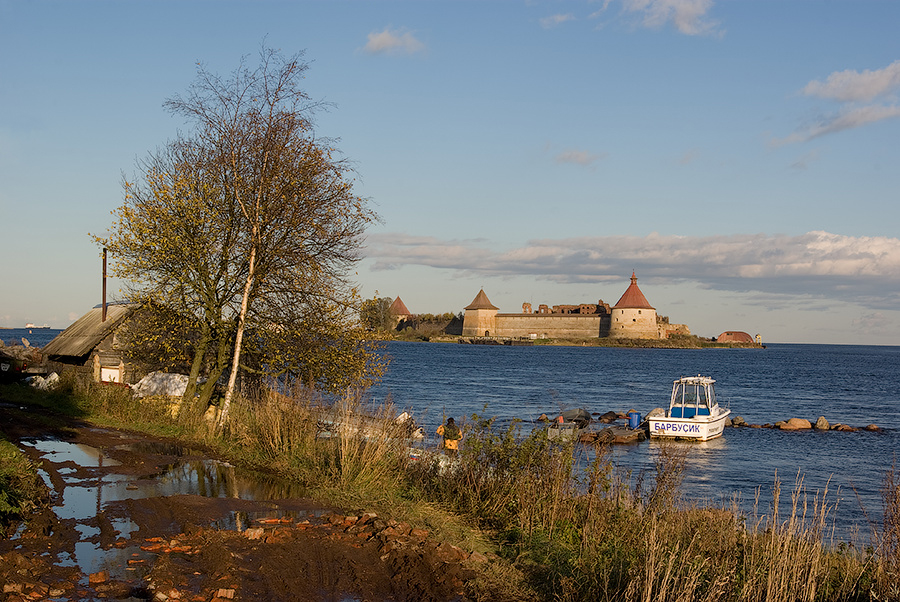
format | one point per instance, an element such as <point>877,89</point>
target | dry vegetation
<point>564,522</point>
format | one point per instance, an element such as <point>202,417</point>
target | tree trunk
<point>239,335</point>
<point>206,391</point>
<point>199,353</point>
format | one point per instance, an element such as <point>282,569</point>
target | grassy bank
<point>21,489</point>
<point>673,342</point>
<point>563,526</point>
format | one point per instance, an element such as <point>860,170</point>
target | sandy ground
<point>175,547</point>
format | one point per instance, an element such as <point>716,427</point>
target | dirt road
<point>137,518</point>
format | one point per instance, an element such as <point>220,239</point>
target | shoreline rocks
<point>801,424</point>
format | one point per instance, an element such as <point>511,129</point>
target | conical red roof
<point>480,302</point>
<point>398,308</point>
<point>633,298</point>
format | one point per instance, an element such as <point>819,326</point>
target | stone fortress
<point>631,318</point>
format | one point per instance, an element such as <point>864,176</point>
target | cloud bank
<point>864,270</point>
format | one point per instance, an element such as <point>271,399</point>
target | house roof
<point>481,301</point>
<point>87,331</point>
<point>398,308</point>
<point>633,298</point>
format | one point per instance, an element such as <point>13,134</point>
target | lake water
<point>855,385</point>
<point>37,337</point>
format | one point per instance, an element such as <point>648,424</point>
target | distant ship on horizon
<point>30,325</point>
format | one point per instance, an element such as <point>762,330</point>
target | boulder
<point>844,428</point>
<point>738,421</point>
<point>795,424</point>
<point>609,417</point>
<point>872,427</point>
<point>822,424</point>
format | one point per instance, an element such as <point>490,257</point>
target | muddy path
<point>136,518</point>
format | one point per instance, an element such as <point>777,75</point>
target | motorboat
<point>694,412</point>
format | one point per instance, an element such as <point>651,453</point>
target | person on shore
<point>451,435</point>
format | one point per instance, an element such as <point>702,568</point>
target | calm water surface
<point>855,385</point>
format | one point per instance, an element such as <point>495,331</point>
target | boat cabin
<point>692,396</point>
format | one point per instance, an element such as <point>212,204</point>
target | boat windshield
<point>695,394</point>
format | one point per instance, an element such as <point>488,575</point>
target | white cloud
<point>555,20</point>
<point>850,85</point>
<point>688,16</point>
<point>388,41</point>
<point>803,162</point>
<point>578,157</point>
<point>855,91</point>
<point>817,264</point>
<point>845,120</point>
<point>688,157</point>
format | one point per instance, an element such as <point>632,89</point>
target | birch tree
<point>278,225</point>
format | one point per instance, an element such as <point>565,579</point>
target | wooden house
<point>91,346</point>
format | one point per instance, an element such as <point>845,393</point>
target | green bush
<point>21,489</point>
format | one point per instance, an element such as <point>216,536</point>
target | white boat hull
<point>697,428</point>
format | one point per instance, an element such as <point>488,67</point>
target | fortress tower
<point>398,312</point>
<point>480,319</point>
<point>633,317</point>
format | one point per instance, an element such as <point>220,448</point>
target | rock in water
<point>822,424</point>
<point>796,424</point>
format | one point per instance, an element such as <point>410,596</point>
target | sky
<point>741,157</point>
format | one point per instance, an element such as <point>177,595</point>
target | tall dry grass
<point>888,582</point>
<point>564,515</point>
<point>342,443</point>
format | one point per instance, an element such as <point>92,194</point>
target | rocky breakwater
<point>802,424</point>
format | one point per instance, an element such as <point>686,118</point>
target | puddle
<point>89,488</point>
<point>62,451</point>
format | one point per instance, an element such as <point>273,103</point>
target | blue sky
<point>741,156</point>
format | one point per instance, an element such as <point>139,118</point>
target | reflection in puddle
<point>240,521</point>
<point>90,487</point>
<point>62,451</point>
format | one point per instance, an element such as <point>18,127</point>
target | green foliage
<point>21,489</point>
<point>375,313</point>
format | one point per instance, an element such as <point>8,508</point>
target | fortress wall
<point>552,326</point>
<point>667,330</point>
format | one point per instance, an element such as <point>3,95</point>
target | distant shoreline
<point>691,342</point>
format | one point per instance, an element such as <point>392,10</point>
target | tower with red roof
<point>633,317</point>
